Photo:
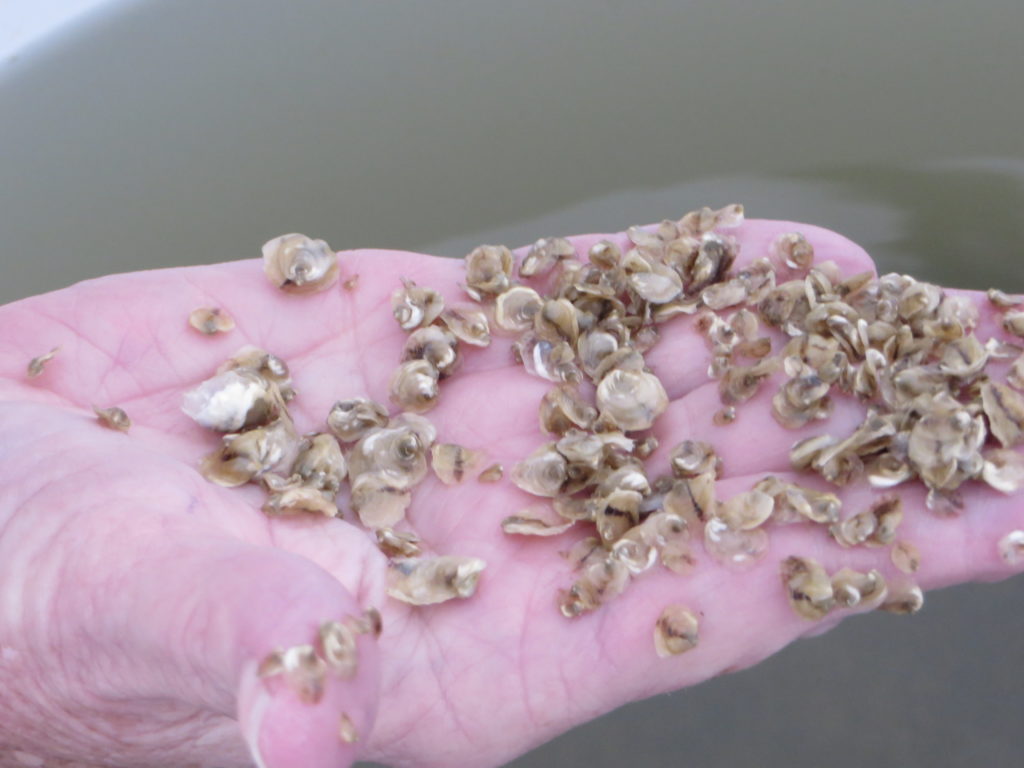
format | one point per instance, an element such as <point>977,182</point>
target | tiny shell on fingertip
<point>113,418</point>
<point>211,320</point>
<point>338,644</point>
<point>303,671</point>
<point>296,263</point>
<point>37,364</point>
<point>675,631</point>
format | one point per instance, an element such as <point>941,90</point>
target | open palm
<point>137,598</point>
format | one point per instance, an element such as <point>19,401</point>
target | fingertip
<point>757,236</point>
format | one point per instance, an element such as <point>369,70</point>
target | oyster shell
<point>488,269</point>
<point>631,400</point>
<point>675,631</point>
<point>298,264</point>
<point>415,306</point>
<point>808,587</point>
<point>542,473</point>
<point>320,463</point>
<point>36,364</point>
<point>113,418</point>
<point>451,462</point>
<point>544,255</point>
<point>397,543</point>
<point>350,419</point>
<point>233,401</point>
<point>437,346</point>
<point>414,386</point>
<point>468,324</point>
<point>516,308</point>
<point>792,250</point>
<point>430,580</point>
<point>211,320</point>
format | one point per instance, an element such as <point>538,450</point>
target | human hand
<point>139,598</point>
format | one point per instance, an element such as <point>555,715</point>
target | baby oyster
<point>211,320</point>
<point>451,462</point>
<point>298,264</point>
<point>855,589</point>
<point>113,418</point>
<point>516,308</point>
<point>303,670</point>
<point>631,400</point>
<point>437,346</point>
<point>338,646</point>
<point>544,255</point>
<point>808,587</point>
<point>349,420</point>
<point>542,473</point>
<point>536,521</point>
<point>232,401</point>
<point>469,324</point>
<point>269,366</point>
<point>36,364</point>
<point>415,306</point>
<point>414,386</point>
<point>429,580</point>
<point>246,455</point>
<point>488,269</point>
<point>397,543</point>
<point>320,463</point>
<point>379,499</point>
<point>675,632</point>
<point>793,250</point>
<point>298,499</point>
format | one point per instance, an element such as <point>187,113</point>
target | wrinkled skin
<point>136,598</point>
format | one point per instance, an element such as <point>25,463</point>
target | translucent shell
<point>349,420</point>
<point>415,306</point>
<point>113,418</point>
<point>298,264</point>
<point>1005,411</point>
<point>303,670</point>
<point>488,270</point>
<point>379,500</point>
<point>452,462</point>
<point>631,400</point>
<point>430,580</point>
<point>36,364</point>
<point>544,255</point>
<point>211,320</point>
<point>246,455</point>
<point>338,648</point>
<point>437,346</point>
<point>320,463</point>
<point>397,543</point>
<point>536,521</point>
<point>468,324</point>
<point>516,308</point>
<point>414,386</point>
<point>299,499</point>
<point>675,631</point>
<point>792,250</point>
<point>542,473</point>
<point>808,587</point>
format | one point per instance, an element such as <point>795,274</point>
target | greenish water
<point>170,133</point>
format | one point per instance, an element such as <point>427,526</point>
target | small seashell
<point>631,400</point>
<point>349,420</point>
<point>320,463</point>
<point>397,543</point>
<point>233,401</point>
<point>1002,300</point>
<point>724,417</point>
<point>298,264</point>
<point>300,499</point>
<point>36,364</point>
<point>1004,470</point>
<point>538,520</point>
<point>544,255</point>
<point>855,589</point>
<point>113,418</point>
<point>602,578</point>
<point>491,474</point>
<point>563,408</point>
<point>746,511</point>
<point>302,669</point>
<point>1011,548</point>
<point>246,455</point>
<point>904,599</point>
<point>1005,411</point>
<point>415,306</point>
<point>414,386</point>
<point>488,269</point>
<point>517,308</point>
<point>675,632</point>
<point>429,580</point>
<point>468,324</point>
<point>808,587</point>
<point>437,346</point>
<point>542,473</point>
<point>211,320</point>
<point>1014,323</point>
<point>269,366</point>
<point>347,730</point>
<point>338,646</point>
<point>792,250</point>
<point>379,499</point>
<point>905,556</point>
<point>451,462</point>
<point>557,321</point>
<point>731,547</point>
<point>605,254</point>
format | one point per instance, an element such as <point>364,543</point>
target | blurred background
<point>154,133</point>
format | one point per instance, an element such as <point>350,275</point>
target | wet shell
<point>113,418</point>
<point>631,400</point>
<point>1014,323</point>
<point>605,254</point>
<point>602,578</point>
<point>516,308</point>
<point>808,587</point>
<point>233,401</point>
<point>563,408</point>
<point>731,547</point>
<point>904,599</point>
<point>429,580</point>
<point>338,647</point>
<point>303,671</point>
<point>536,521</point>
<point>1005,411</point>
<point>414,386</point>
<point>415,306</point>
<point>905,556</point>
<point>211,320</point>
<point>451,462</point>
<point>300,499</point>
<point>247,455</point>
<point>557,321</point>
<point>488,269</point>
<point>298,264</point>
<point>437,346</point>
<point>468,324</point>
<point>398,451</point>
<point>397,543</point>
<point>379,500</point>
<point>320,463</point>
<point>36,364</point>
<point>746,511</point>
<point>544,255</point>
<point>855,589</point>
<point>491,474</point>
<point>1004,470</point>
<point>675,632</point>
<point>349,420</point>
<point>792,250</point>
<point>542,473</point>
<point>658,284</point>
<point>1001,299</point>
<point>269,366</point>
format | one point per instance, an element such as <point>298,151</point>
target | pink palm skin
<point>136,598</point>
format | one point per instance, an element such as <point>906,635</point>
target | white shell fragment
<point>303,671</point>
<point>338,647</point>
<point>1011,548</point>
<point>232,401</point>
<point>299,264</point>
<point>211,320</point>
<point>429,580</point>
<point>36,364</point>
<point>675,631</point>
<point>903,599</point>
<point>113,418</point>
